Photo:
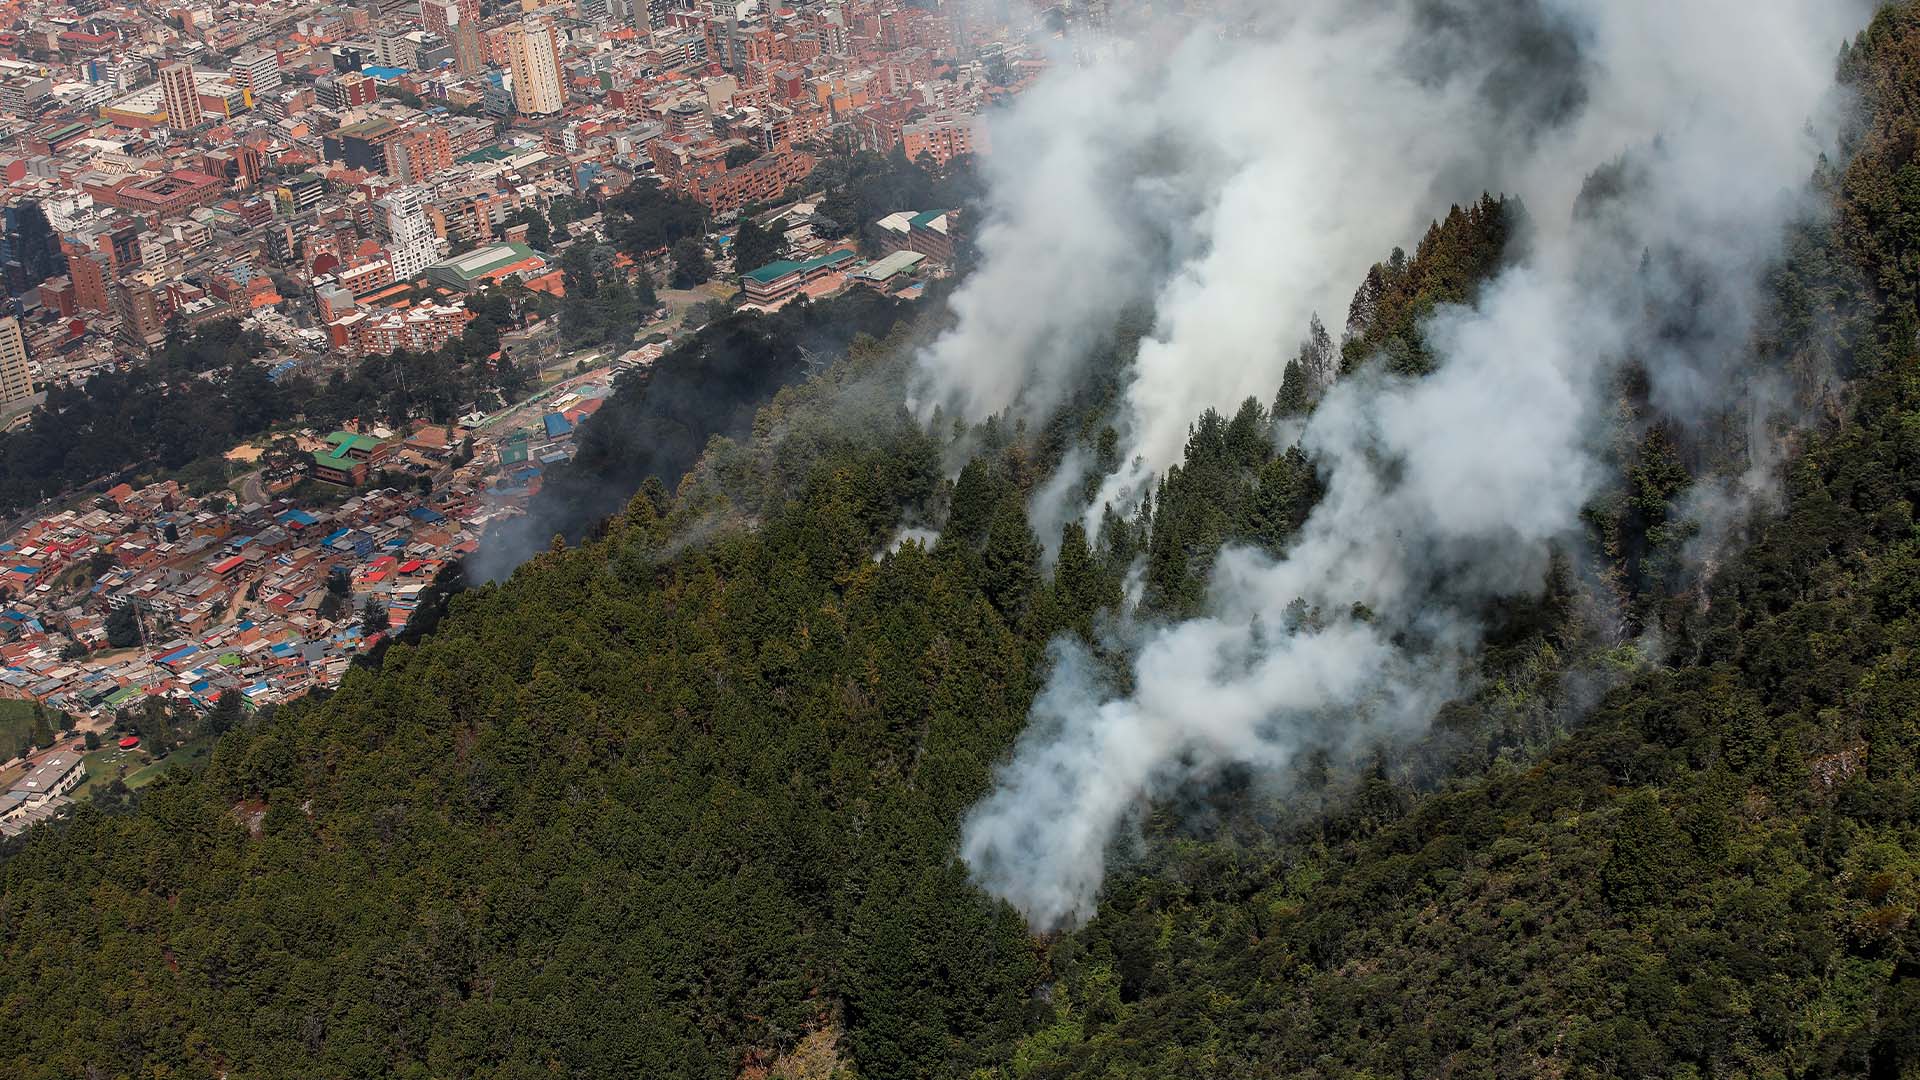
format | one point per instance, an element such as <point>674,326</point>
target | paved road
<point>250,489</point>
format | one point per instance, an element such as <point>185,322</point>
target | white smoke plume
<point>1317,142</point>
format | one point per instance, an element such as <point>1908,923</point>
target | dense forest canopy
<point>682,799</point>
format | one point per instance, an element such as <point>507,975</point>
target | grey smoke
<point>1442,492</point>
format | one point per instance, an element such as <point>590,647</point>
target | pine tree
<point>374,618</point>
<point>1286,495</point>
<point>970,511</point>
<point>1011,560</point>
<point>1366,302</point>
<point>754,247</point>
<point>1317,357</point>
<point>1296,391</point>
<point>226,714</point>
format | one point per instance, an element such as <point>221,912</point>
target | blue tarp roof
<point>297,517</point>
<point>428,514</point>
<point>335,535</point>
<point>179,654</point>
<point>557,425</point>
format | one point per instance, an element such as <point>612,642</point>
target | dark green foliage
<point>864,187</point>
<point>123,627</point>
<point>682,793</point>
<point>539,229</point>
<point>1287,492</point>
<point>754,247</point>
<point>604,304</point>
<point>1227,490</point>
<point>373,617</point>
<point>636,813</point>
<point>644,220</point>
<point>1724,851</point>
<point>1010,561</point>
<point>691,266</point>
<point>1296,396</point>
<point>157,416</point>
<point>226,713</point>
<point>205,391</point>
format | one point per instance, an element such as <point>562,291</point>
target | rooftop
<point>344,444</point>
<point>479,262</point>
<point>774,271</point>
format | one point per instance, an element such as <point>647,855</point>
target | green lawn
<point>104,764</point>
<point>16,724</point>
<point>142,769</point>
<point>190,755</point>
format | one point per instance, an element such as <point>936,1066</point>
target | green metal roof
<point>479,262</point>
<point>485,153</point>
<point>774,271</point>
<point>344,443</point>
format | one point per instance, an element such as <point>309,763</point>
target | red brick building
<point>169,195</point>
<point>763,179</point>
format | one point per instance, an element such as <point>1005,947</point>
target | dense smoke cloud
<point>1318,142</point>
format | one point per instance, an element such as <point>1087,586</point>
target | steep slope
<point>681,798</point>
<point>635,813</point>
<point>1717,873</point>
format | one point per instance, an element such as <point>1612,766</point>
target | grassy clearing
<point>104,764</point>
<point>141,768</point>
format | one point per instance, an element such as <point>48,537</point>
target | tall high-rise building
<point>533,56</point>
<point>256,70</point>
<point>650,14</point>
<point>90,275</point>
<point>410,239</point>
<point>143,315</point>
<point>441,16</point>
<point>181,95</point>
<point>29,248</point>
<point>16,379</point>
<point>469,52</point>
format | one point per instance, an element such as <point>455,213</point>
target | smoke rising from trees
<point>1247,181</point>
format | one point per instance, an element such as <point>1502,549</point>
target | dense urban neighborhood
<point>302,299</point>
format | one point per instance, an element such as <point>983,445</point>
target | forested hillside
<point>683,799</point>
<point>659,418</point>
